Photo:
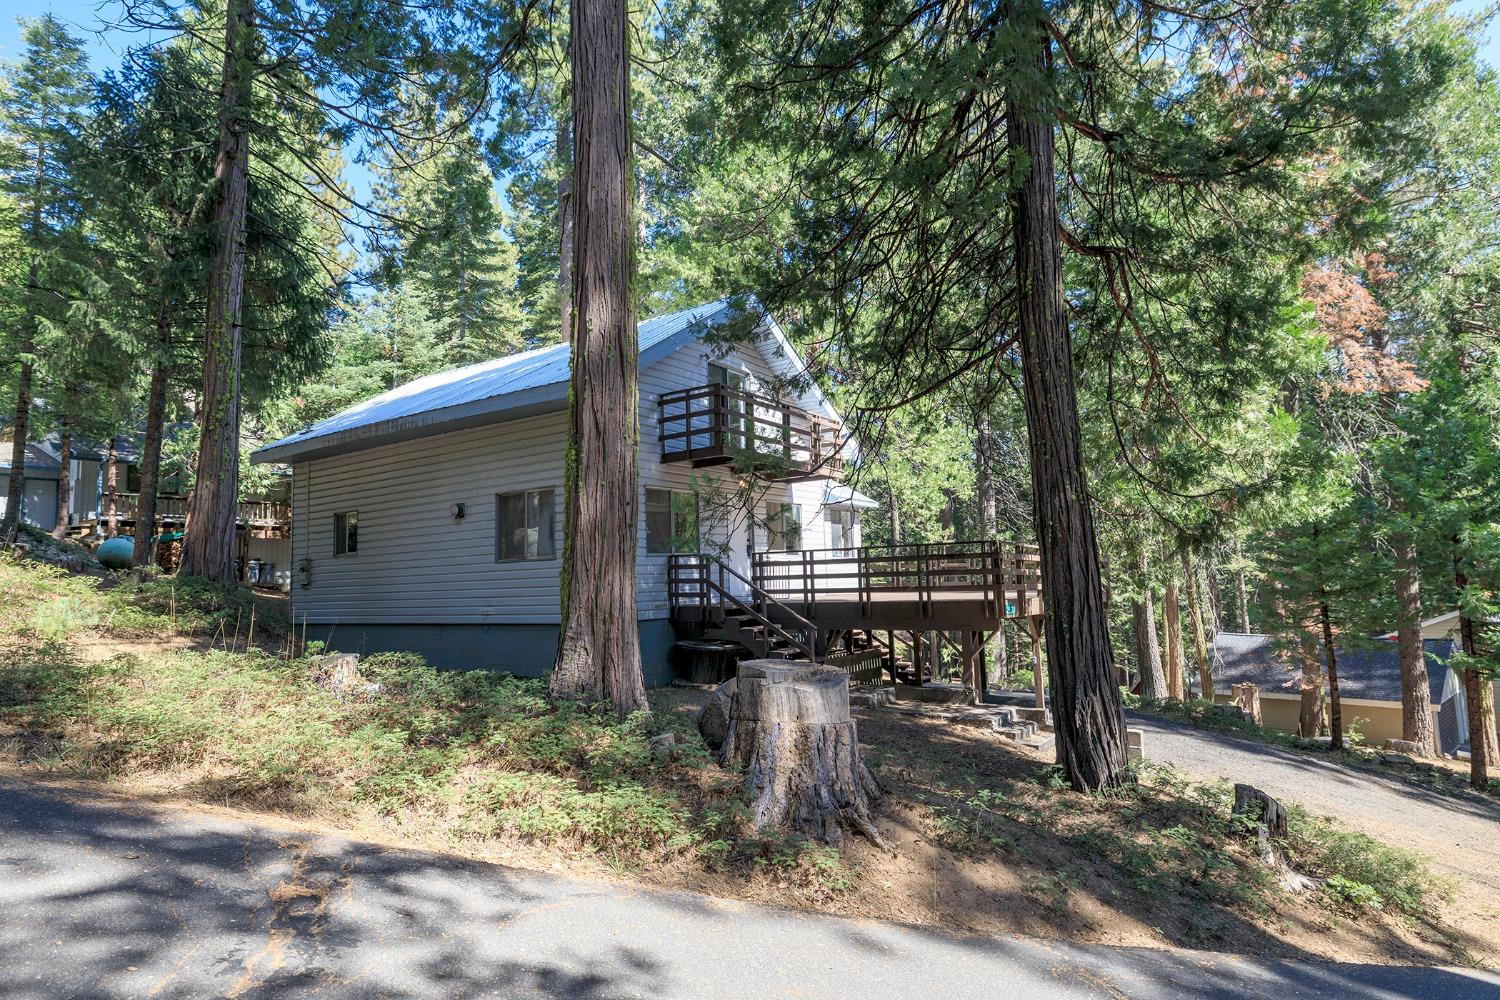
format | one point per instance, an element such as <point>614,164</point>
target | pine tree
<point>450,245</point>
<point>43,102</point>
<point>944,204</point>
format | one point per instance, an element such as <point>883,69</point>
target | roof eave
<point>497,409</point>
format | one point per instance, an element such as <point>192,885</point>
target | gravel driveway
<point>1461,833</point>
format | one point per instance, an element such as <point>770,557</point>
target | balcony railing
<point>730,425</point>
<point>173,507</point>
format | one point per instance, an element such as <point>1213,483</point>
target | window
<point>346,533</point>
<point>523,525</point>
<point>671,521</point>
<point>784,527</point>
<point>841,527</point>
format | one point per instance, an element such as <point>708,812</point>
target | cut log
<point>791,732</point>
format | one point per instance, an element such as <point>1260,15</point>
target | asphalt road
<point>104,898</point>
<point>1460,833</point>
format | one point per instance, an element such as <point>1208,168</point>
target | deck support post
<point>1034,625</point>
<point>973,665</point>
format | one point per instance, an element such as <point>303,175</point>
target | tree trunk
<point>1087,710</point>
<point>26,371</point>
<point>1416,694</point>
<point>565,216</point>
<point>1310,714</point>
<point>599,653</point>
<point>1241,591</point>
<point>791,734</point>
<point>156,421</point>
<point>989,516</point>
<point>1173,614</point>
<point>1479,695</point>
<point>1001,661</point>
<point>895,512</point>
<point>111,487</point>
<point>64,477</point>
<point>1200,647</point>
<point>984,476</point>
<point>1148,652</point>
<point>1335,710</point>
<point>208,543</point>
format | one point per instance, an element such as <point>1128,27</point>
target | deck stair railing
<point>720,424</point>
<point>702,581</point>
<point>994,570</point>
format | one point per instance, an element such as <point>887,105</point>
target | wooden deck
<point>939,586</point>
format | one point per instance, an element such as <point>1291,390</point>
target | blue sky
<point>88,17</point>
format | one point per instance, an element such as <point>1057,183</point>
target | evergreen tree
<point>450,245</point>
<point>43,105</point>
<point>1157,147</point>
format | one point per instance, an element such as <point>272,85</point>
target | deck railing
<point>994,571</point>
<point>173,506</point>
<point>722,424</point>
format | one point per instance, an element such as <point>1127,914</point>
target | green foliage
<point>1020,680</point>
<point>1362,872</point>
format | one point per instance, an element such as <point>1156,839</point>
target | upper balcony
<point>730,425</point>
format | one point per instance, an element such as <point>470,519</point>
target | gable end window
<point>524,526</point>
<point>671,521</point>
<point>346,533</point>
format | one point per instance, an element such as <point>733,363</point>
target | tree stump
<point>1269,818</point>
<point>713,718</point>
<point>1247,696</point>
<point>1260,808</point>
<point>791,732</point>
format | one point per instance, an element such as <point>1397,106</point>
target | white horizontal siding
<point>416,564</point>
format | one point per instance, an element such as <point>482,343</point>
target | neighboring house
<point>1369,685</point>
<point>429,518</point>
<point>39,492</point>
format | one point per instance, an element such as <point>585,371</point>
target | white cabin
<point>429,518</point>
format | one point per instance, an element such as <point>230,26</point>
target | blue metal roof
<point>530,382</point>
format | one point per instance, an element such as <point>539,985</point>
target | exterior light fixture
<point>458,512</point>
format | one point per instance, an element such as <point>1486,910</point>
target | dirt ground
<point>1027,859</point>
<point>1043,880</point>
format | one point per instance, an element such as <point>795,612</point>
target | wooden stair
<point>746,612</point>
<point>744,628</point>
